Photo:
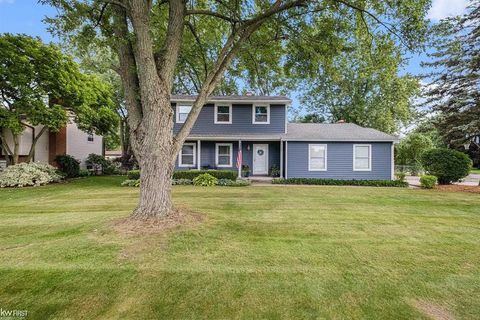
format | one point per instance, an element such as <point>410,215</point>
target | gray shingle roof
<point>334,132</point>
<point>233,98</point>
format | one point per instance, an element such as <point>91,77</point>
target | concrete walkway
<point>470,180</point>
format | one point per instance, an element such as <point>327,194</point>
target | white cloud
<point>446,8</point>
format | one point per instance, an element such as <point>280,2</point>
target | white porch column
<point>281,159</point>
<point>199,154</point>
<point>240,166</point>
<point>286,159</point>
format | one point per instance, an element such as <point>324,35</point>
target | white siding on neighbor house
<point>78,145</point>
<point>41,148</point>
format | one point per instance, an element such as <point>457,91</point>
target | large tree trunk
<point>152,144</point>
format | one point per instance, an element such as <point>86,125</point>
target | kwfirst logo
<point>12,314</point>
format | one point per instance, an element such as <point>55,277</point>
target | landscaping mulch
<point>459,188</point>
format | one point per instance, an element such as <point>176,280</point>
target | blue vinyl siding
<point>208,154</point>
<point>339,161</point>
<point>241,121</point>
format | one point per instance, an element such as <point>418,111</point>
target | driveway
<point>470,180</point>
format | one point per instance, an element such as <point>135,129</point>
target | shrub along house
<point>253,131</point>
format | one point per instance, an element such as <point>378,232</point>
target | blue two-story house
<point>258,127</point>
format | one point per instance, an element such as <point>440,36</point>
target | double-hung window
<point>182,112</point>
<point>223,113</point>
<point>362,157</point>
<point>187,155</point>
<point>223,154</point>
<point>90,137</point>
<point>317,157</point>
<point>261,114</point>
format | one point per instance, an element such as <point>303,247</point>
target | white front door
<point>260,159</point>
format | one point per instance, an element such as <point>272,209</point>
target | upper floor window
<point>261,114</point>
<point>182,113</point>
<point>90,138</point>
<point>187,155</point>
<point>362,157</point>
<point>317,157</point>
<point>223,113</point>
<point>223,154</point>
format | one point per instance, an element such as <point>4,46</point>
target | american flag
<point>239,159</point>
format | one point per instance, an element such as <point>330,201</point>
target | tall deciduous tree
<point>148,38</point>
<point>364,87</point>
<point>454,90</point>
<point>38,85</point>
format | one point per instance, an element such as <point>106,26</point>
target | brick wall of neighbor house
<point>57,144</point>
<point>241,121</point>
<point>208,154</point>
<point>78,145</point>
<point>340,161</point>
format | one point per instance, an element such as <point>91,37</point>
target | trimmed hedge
<point>334,182</point>
<point>192,174</point>
<point>428,182</point>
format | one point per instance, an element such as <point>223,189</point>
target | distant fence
<point>409,170</point>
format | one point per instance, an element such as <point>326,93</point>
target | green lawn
<point>262,252</point>
<point>475,171</point>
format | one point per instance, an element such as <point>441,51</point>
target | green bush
<point>446,164</point>
<point>428,182</point>
<point>233,183</point>
<point>192,174</point>
<point>274,171</point>
<point>182,182</point>
<point>28,174</point>
<point>334,182</point>
<point>400,176</point>
<point>68,165</point>
<point>84,173</point>
<point>131,183</point>
<point>100,164</point>
<point>205,180</point>
<point>133,174</point>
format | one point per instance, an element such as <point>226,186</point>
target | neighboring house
<point>68,140</point>
<point>257,125</point>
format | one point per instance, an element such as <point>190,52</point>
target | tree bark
<point>34,143</point>
<point>16,148</point>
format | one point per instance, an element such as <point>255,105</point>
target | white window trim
<point>309,158</point>
<point>253,113</point>
<point>217,145</point>
<point>180,157</point>
<point>369,156</point>
<point>215,119</point>
<point>177,107</point>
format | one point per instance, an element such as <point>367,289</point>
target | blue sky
<point>25,16</point>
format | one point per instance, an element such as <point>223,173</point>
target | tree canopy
<point>39,85</point>
<point>452,92</point>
